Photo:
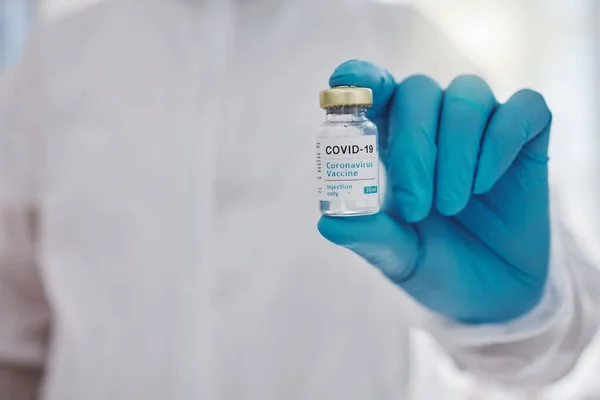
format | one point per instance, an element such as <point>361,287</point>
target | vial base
<point>339,208</point>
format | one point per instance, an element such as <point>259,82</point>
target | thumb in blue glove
<point>465,226</point>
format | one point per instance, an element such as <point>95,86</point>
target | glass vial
<point>347,154</point>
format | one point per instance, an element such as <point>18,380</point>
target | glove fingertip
<point>344,230</point>
<point>449,209</point>
<point>327,227</point>
<point>483,184</point>
<point>479,189</point>
<point>366,74</point>
<point>413,215</point>
<point>353,72</point>
<point>391,247</point>
<point>412,205</point>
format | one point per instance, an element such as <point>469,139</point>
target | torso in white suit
<point>174,183</point>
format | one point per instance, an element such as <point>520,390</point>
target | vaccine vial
<point>347,154</point>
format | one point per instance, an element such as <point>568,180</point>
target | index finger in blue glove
<point>379,80</point>
<point>391,247</point>
<point>520,126</point>
<point>366,74</point>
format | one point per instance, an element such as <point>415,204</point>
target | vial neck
<point>347,113</point>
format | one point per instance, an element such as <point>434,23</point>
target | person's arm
<point>466,228</point>
<point>24,314</point>
<point>542,346</point>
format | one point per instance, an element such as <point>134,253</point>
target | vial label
<point>347,168</point>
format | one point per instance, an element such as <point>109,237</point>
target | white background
<point>548,45</point>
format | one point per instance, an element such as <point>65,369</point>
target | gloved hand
<point>465,225</point>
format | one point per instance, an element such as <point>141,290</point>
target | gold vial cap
<point>340,96</point>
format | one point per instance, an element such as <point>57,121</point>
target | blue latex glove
<point>465,225</point>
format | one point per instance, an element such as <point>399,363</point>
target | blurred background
<point>548,45</point>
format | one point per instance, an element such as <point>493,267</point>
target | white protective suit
<point>158,217</point>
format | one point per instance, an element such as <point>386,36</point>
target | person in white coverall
<point>157,210</point>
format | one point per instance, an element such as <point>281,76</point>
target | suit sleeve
<point>544,345</point>
<point>24,313</point>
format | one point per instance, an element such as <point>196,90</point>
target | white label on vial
<point>347,168</point>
